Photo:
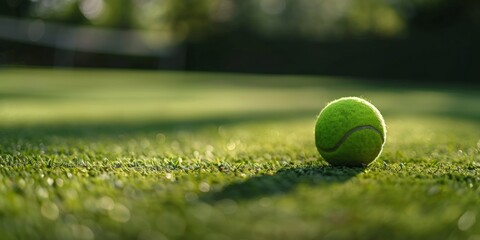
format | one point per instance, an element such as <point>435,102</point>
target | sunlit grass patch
<point>147,155</point>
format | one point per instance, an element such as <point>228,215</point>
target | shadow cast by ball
<point>282,182</point>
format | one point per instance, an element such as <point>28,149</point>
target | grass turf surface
<point>92,154</point>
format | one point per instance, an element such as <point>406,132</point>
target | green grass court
<point>99,154</point>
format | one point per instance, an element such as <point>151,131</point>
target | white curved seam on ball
<point>350,132</point>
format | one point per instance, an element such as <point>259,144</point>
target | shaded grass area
<point>144,155</point>
<point>282,182</point>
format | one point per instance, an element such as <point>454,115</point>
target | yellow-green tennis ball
<point>350,131</point>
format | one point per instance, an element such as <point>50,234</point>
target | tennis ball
<point>350,131</point>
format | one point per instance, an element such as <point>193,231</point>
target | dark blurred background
<point>408,40</point>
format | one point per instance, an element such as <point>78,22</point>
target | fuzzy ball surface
<point>351,132</point>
